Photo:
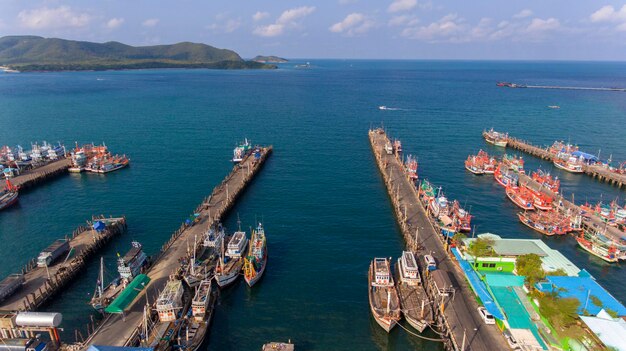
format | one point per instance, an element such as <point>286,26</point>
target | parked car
<point>511,340</point>
<point>486,316</point>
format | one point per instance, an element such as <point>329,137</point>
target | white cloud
<point>259,15</point>
<point>52,18</point>
<point>448,28</point>
<point>151,22</point>
<point>523,14</point>
<point>403,20</point>
<point>540,25</point>
<point>609,14</point>
<point>401,5</point>
<point>114,23</point>
<point>291,18</point>
<point>271,30</point>
<point>229,26</point>
<point>354,23</point>
<point>621,27</point>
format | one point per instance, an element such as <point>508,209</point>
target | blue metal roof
<point>586,156</point>
<point>581,288</point>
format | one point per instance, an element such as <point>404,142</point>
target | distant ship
<point>255,262</point>
<point>383,107</point>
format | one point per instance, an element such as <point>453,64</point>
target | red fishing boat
<point>541,201</point>
<point>506,177</point>
<point>545,179</point>
<point>462,218</point>
<point>410,166</point>
<point>8,196</point>
<point>546,223</point>
<point>522,197</point>
<point>474,165</point>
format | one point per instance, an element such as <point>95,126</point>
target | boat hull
<point>224,280</point>
<point>253,280</point>
<point>587,246</point>
<point>571,170</point>
<point>527,207</point>
<point>475,171</point>
<point>9,201</point>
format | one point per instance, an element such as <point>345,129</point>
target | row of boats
<point>398,292</point>
<point>96,159</point>
<point>542,214</point>
<point>13,160</point>
<point>184,307</point>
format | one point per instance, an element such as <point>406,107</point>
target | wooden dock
<point>37,175</point>
<point>595,171</point>
<point>123,330</point>
<point>456,312</point>
<point>41,283</point>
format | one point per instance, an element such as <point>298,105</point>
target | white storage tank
<point>39,319</point>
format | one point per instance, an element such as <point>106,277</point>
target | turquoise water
<point>320,195</point>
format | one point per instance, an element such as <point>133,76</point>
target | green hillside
<point>28,53</point>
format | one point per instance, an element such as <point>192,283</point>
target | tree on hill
<point>530,266</point>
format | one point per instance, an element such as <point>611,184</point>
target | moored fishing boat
<point>521,197</point>
<point>514,163</point>
<point>571,165</point>
<point>496,138</point>
<point>426,192</point>
<point>414,302</point>
<point>194,329</point>
<point>383,296</point>
<point>506,177</point>
<point>607,253</point>
<point>541,201</point>
<point>214,236</point>
<point>133,263</point>
<point>255,262</point>
<point>200,267</point>
<point>241,150</point>
<point>439,206</point>
<point>545,179</point>
<point>410,166</point>
<point>462,217</point>
<point>474,165</point>
<point>397,147</point>
<point>8,195</point>
<point>489,163</point>
<point>171,306</point>
<point>546,223</point>
<point>231,262</point>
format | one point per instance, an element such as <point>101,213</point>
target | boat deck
<point>411,298</point>
<point>42,283</point>
<point>459,309</point>
<point>118,330</point>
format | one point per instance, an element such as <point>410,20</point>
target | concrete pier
<point>595,171</point>
<point>35,176</point>
<point>123,330</point>
<point>455,310</point>
<point>41,283</point>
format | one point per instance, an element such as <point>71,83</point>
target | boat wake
<point>386,108</point>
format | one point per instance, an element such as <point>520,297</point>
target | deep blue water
<point>320,195</point>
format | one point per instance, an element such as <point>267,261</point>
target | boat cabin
<point>408,268</point>
<point>130,265</point>
<point>237,245</point>
<point>170,301</point>
<point>201,300</point>
<point>382,272</point>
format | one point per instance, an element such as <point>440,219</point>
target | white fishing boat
<point>231,262</point>
<point>214,236</point>
<point>413,299</point>
<point>572,165</point>
<point>192,333</point>
<point>237,245</point>
<point>383,297</point>
<point>439,206</point>
<point>170,301</point>
<point>241,151</point>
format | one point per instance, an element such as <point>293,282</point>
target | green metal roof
<point>128,295</point>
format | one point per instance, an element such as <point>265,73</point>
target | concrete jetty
<point>35,176</point>
<point>123,329</point>
<point>595,171</point>
<point>456,306</point>
<point>41,283</point>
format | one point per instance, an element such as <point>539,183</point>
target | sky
<point>351,29</point>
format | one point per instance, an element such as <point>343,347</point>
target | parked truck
<point>53,252</point>
<point>10,284</point>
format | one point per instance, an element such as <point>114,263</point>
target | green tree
<point>559,272</point>
<point>457,239</point>
<point>481,248</point>
<point>530,266</point>
<point>561,312</point>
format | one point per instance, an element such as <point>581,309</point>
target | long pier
<point>456,312</point>
<point>123,329</point>
<point>594,171</point>
<point>41,283</point>
<point>34,176</point>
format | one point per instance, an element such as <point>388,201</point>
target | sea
<point>320,196</point>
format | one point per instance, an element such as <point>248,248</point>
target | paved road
<point>460,308</point>
<point>117,329</point>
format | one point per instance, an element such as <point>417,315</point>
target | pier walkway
<point>465,328</point>
<point>33,176</point>
<point>595,171</point>
<point>41,283</point>
<point>122,329</point>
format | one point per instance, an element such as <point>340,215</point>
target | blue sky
<point>395,29</point>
